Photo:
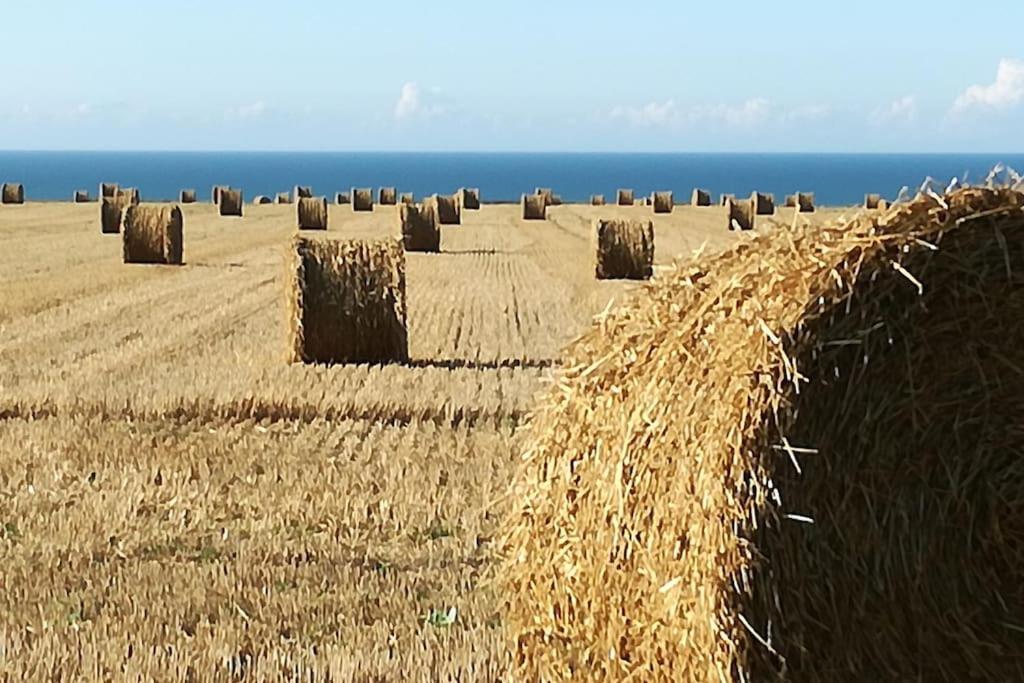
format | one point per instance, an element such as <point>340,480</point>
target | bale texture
<point>597,200</point>
<point>663,202</point>
<point>534,207</point>
<point>283,198</point>
<point>625,198</point>
<point>387,196</point>
<point>872,201</point>
<point>625,249</point>
<point>231,201</point>
<point>81,197</point>
<point>446,207</point>
<point>741,214</point>
<point>12,193</point>
<point>311,213</point>
<point>798,460</point>
<point>700,197</point>
<point>188,197</point>
<point>110,215</point>
<point>805,202</point>
<point>346,302</point>
<point>108,189</point>
<point>362,199</point>
<point>469,198</point>
<point>419,226</point>
<point>153,233</point>
<point>764,204</point>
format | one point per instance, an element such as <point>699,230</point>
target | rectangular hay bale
<point>311,213</point>
<point>625,249</point>
<point>153,233</point>
<point>419,227</point>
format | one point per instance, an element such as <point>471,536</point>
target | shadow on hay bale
<point>625,249</point>
<point>419,227</point>
<point>816,437</point>
<point>625,198</point>
<point>362,199</point>
<point>230,202</point>
<point>597,200</point>
<point>346,302</point>
<point>764,204</point>
<point>740,214</point>
<point>469,198</point>
<point>663,202</point>
<point>700,198</point>
<point>188,197</point>
<point>534,207</point>
<point>80,197</point>
<point>311,213</point>
<point>152,233</point>
<point>12,193</point>
<point>108,189</point>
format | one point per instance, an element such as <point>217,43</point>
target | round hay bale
<point>625,249</point>
<point>215,193</point>
<point>301,191</point>
<point>419,226</point>
<point>80,197</point>
<point>110,215</point>
<point>790,201</point>
<point>741,214</point>
<point>260,200</point>
<point>597,200</point>
<point>341,198</point>
<point>469,198</point>
<point>153,233</point>
<point>12,193</point>
<point>663,202</point>
<point>446,207</point>
<point>362,199</point>
<point>797,460</point>
<point>407,198</point>
<point>387,196</point>
<point>230,202</point>
<point>346,302</point>
<point>547,193</point>
<point>700,197</point>
<point>764,204</point>
<point>726,198</point>
<point>625,198</point>
<point>108,190</point>
<point>188,197</point>
<point>872,202</point>
<point>129,195</point>
<point>805,202</point>
<point>311,213</point>
<point>534,207</point>
<point>283,198</point>
<point>556,200</point>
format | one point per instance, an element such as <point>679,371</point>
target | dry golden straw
<point>231,201</point>
<point>469,198</point>
<point>12,193</point>
<point>700,197</point>
<point>797,460</point>
<point>311,213</point>
<point>188,197</point>
<point>625,249</point>
<point>597,200</point>
<point>764,204</point>
<point>362,199</point>
<point>346,302</point>
<point>387,196</point>
<point>419,226</point>
<point>663,202</point>
<point>741,214</point>
<point>534,207</point>
<point>152,234</point>
<point>625,198</point>
<point>805,202</point>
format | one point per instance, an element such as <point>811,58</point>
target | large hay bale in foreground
<point>663,202</point>
<point>110,215</point>
<point>362,199</point>
<point>108,189</point>
<point>188,197</point>
<point>231,201</point>
<point>872,201</point>
<point>764,204</point>
<point>152,233</point>
<point>80,197</point>
<point>346,302</point>
<point>535,207</point>
<point>469,198</point>
<point>311,213</point>
<point>625,198</point>
<point>446,207</point>
<point>597,200</point>
<point>805,202</point>
<point>419,227</point>
<point>700,197</point>
<point>283,198</point>
<point>798,460</point>
<point>12,193</point>
<point>387,196</point>
<point>625,249</point>
<point>741,214</point>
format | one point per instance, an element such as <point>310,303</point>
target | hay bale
<point>713,466</point>
<point>547,193</point>
<point>726,198</point>
<point>420,228</point>
<point>129,195</point>
<point>341,198</point>
<point>80,197</point>
<point>741,214</point>
<point>556,200</point>
<point>12,193</point>
<point>764,204</point>
<point>534,207</point>
<point>407,198</point>
<point>872,201</point>
<point>362,199</point>
<point>153,233</point>
<point>346,302</point>
<point>625,198</point>
<point>387,196</point>
<point>301,191</point>
<point>625,249</point>
<point>110,215</point>
<point>469,198</point>
<point>260,200</point>
<point>805,202</point>
<point>446,207</point>
<point>597,200</point>
<point>283,198</point>
<point>188,197</point>
<point>108,189</point>
<point>215,193</point>
<point>663,202</point>
<point>790,201</point>
<point>231,201</point>
<point>700,197</point>
<point>311,213</point>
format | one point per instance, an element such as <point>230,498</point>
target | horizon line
<point>509,152</point>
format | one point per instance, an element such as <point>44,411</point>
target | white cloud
<point>1007,90</point>
<point>253,110</point>
<point>807,112</point>
<point>902,110</point>
<point>650,114</point>
<point>415,102</point>
<point>668,114</point>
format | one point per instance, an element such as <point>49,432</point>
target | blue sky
<point>790,75</point>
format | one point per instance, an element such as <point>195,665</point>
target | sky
<point>672,76</point>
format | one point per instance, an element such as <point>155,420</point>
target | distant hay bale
<point>534,207</point>
<point>81,197</point>
<point>741,214</point>
<point>341,198</point>
<point>362,199</point>
<point>805,202</point>
<point>260,200</point>
<point>597,200</point>
<point>764,204</point>
<point>311,213</point>
<point>797,460</point>
<point>231,201</point>
<point>152,233</point>
<point>346,302</point>
<point>129,195</point>
<point>446,207</point>
<point>301,191</point>
<point>625,249</point>
<point>469,198</point>
<point>110,215</point>
<point>283,198</point>
<point>12,193</point>
<point>700,197</point>
<point>419,227</point>
<point>872,201</point>
<point>790,201</point>
<point>663,202</point>
<point>387,196</point>
<point>726,198</point>
<point>215,193</point>
<point>108,189</point>
<point>625,198</point>
<point>556,200</point>
<point>547,193</point>
<point>407,198</point>
<point>188,197</point>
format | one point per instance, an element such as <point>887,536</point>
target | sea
<point>836,179</point>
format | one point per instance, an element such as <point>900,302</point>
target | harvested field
<point>177,500</point>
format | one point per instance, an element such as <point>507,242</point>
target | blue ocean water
<point>834,178</point>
